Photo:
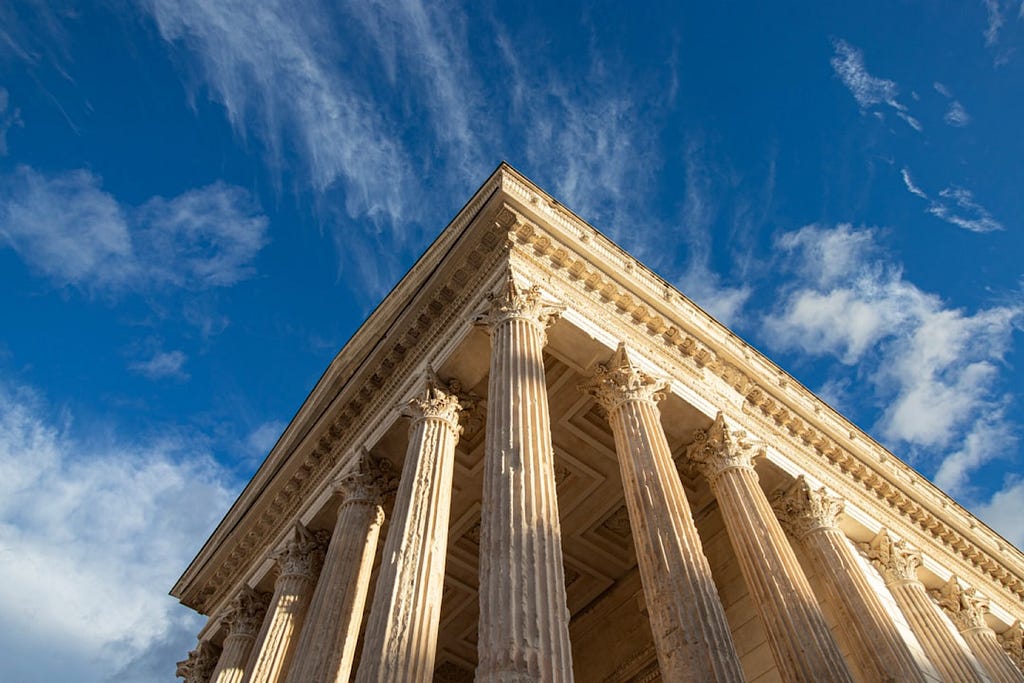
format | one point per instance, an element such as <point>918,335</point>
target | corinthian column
<point>199,665</point>
<point>401,637</point>
<point>898,563</point>
<point>524,622</point>
<point>690,630</point>
<point>1012,641</point>
<point>298,563</point>
<point>327,643</point>
<point>811,517</point>
<point>243,621</point>
<point>966,609</point>
<point>799,638</point>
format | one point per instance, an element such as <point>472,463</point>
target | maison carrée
<point>538,461</point>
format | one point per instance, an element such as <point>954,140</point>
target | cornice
<point>685,337</point>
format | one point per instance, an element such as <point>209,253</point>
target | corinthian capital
<point>1012,640</point>
<point>367,480</point>
<point>895,559</point>
<point>620,380</point>
<point>245,613</point>
<point>801,509</point>
<point>513,300</point>
<point>303,554</point>
<point>200,663</point>
<point>436,401</point>
<point>963,605</point>
<point>720,447</point>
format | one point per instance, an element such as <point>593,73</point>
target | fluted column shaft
<point>812,518</point>
<point>242,620</point>
<point>967,609</point>
<point>691,633</point>
<point>898,565</point>
<point>401,637</point>
<point>985,646</point>
<point>524,621</point>
<point>798,635</point>
<point>327,643</point>
<point>299,562</point>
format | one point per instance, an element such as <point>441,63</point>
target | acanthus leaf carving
<point>894,558</point>
<point>436,401</point>
<point>800,509</point>
<point>1012,640</point>
<point>963,605</point>
<point>620,380</point>
<point>303,554</point>
<point>199,665</point>
<point>515,301</point>
<point>245,613</point>
<point>368,480</point>
<point>720,448</point>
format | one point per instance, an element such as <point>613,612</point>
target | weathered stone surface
<point>687,620</point>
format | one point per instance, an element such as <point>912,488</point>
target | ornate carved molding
<point>200,663</point>
<point>801,509</point>
<point>303,554</point>
<point>245,613</point>
<point>514,301</point>
<point>964,606</point>
<point>435,402</point>
<point>894,558</point>
<point>620,380</point>
<point>721,447</point>
<point>367,481</point>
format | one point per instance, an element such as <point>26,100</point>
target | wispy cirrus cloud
<point>869,91</point>
<point>162,365</point>
<point>955,205</point>
<point>272,67</point>
<point>93,533</point>
<point>10,117</point>
<point>956,115</point>
<point>69,229</point>
<point>933,368</point>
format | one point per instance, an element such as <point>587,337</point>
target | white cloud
<point>996,19</point>
<point>1002,511</point>
<point>942,89</point>
<point>967,212</point>
<point>957,116</point>
<point>869,91</point>
<point>162,365</point>
<point>69,229</point>
<point>978,218</point>
<point>92,536</point>
<point>934,369</point>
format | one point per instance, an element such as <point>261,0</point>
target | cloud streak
<point>869,91</point>
<point>955,205</point>
<point>70,230</point>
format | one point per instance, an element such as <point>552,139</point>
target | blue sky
<point>200,201</point>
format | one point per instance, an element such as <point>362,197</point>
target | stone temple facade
<point>538,461</point>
